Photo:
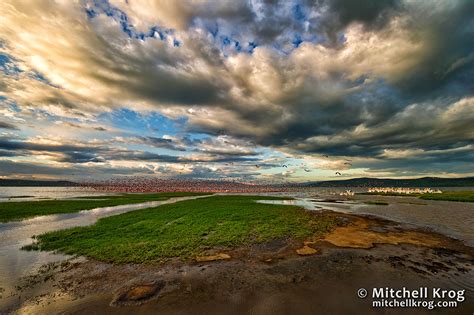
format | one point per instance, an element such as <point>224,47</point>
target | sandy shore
<point>270,278</point>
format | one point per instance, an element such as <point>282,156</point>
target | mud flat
<point>454,219</point>
<point>266,278</point>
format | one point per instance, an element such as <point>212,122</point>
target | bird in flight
<point>257,166</point>
<point>337,173</point>
<point>284,166</point>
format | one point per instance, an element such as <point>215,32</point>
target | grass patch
<point>464,196</point>
<point>376,202</point>
<point>186,229</point>
<point>14,211</point>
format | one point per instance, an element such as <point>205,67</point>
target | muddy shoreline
<point>269,278</point>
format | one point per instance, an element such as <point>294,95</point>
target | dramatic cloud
<point>195,85</point>
<point>5,125</point>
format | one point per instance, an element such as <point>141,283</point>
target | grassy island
<point>462,196</point>
<point>185,229</point>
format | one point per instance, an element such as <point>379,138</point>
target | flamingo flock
<point>144,185</point>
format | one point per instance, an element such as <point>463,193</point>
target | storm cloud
<point>386,83</point>
<point>5,125</point>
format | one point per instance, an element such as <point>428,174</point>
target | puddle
<point>314,205</point>
<point>305,203</point>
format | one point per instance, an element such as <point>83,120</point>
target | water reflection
<point>8,194</point>
<point>454,219</point>
<point>314,204</point>
<point>16,263</point>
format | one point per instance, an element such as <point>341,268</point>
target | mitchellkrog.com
<point>423,297</point>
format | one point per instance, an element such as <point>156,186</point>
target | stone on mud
<point>138,294</point>
<point>306,250</point>
<point>220,256</point>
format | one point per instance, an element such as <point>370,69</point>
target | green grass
<point>14,211</point>
<point>464,196</point>
<point>185,229</point>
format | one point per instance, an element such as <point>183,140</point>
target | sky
<point>258,90</point>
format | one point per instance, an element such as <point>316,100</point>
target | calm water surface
<point>33,193</point>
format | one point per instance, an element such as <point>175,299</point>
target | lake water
<point>32,193</point>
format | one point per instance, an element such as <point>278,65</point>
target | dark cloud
<point>166,143</point>
<point>383,80</point>
<point>372,14</point>
<point>442,163</point>
<point>448,65</point>
<point>5,125</point>
<point>14,169</point>
<point>7,153</point>
<point>99,153</point>
<point>83,153</point>
<point>409,112</point>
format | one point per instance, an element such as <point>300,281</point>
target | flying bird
<point>284,166</point>
<point>337,173</point>
<point>257,166</point>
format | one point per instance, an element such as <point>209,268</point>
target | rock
<point>306,250</point>
<point>138,294</point>
<point>220,256</point>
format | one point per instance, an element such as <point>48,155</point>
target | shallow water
<point>453,219</point>
<point>314,205</point>
<point>16,263</point>
<point>8,194</point>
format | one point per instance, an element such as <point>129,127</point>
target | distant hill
<point>37,183</point>
<point>388,182</point>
